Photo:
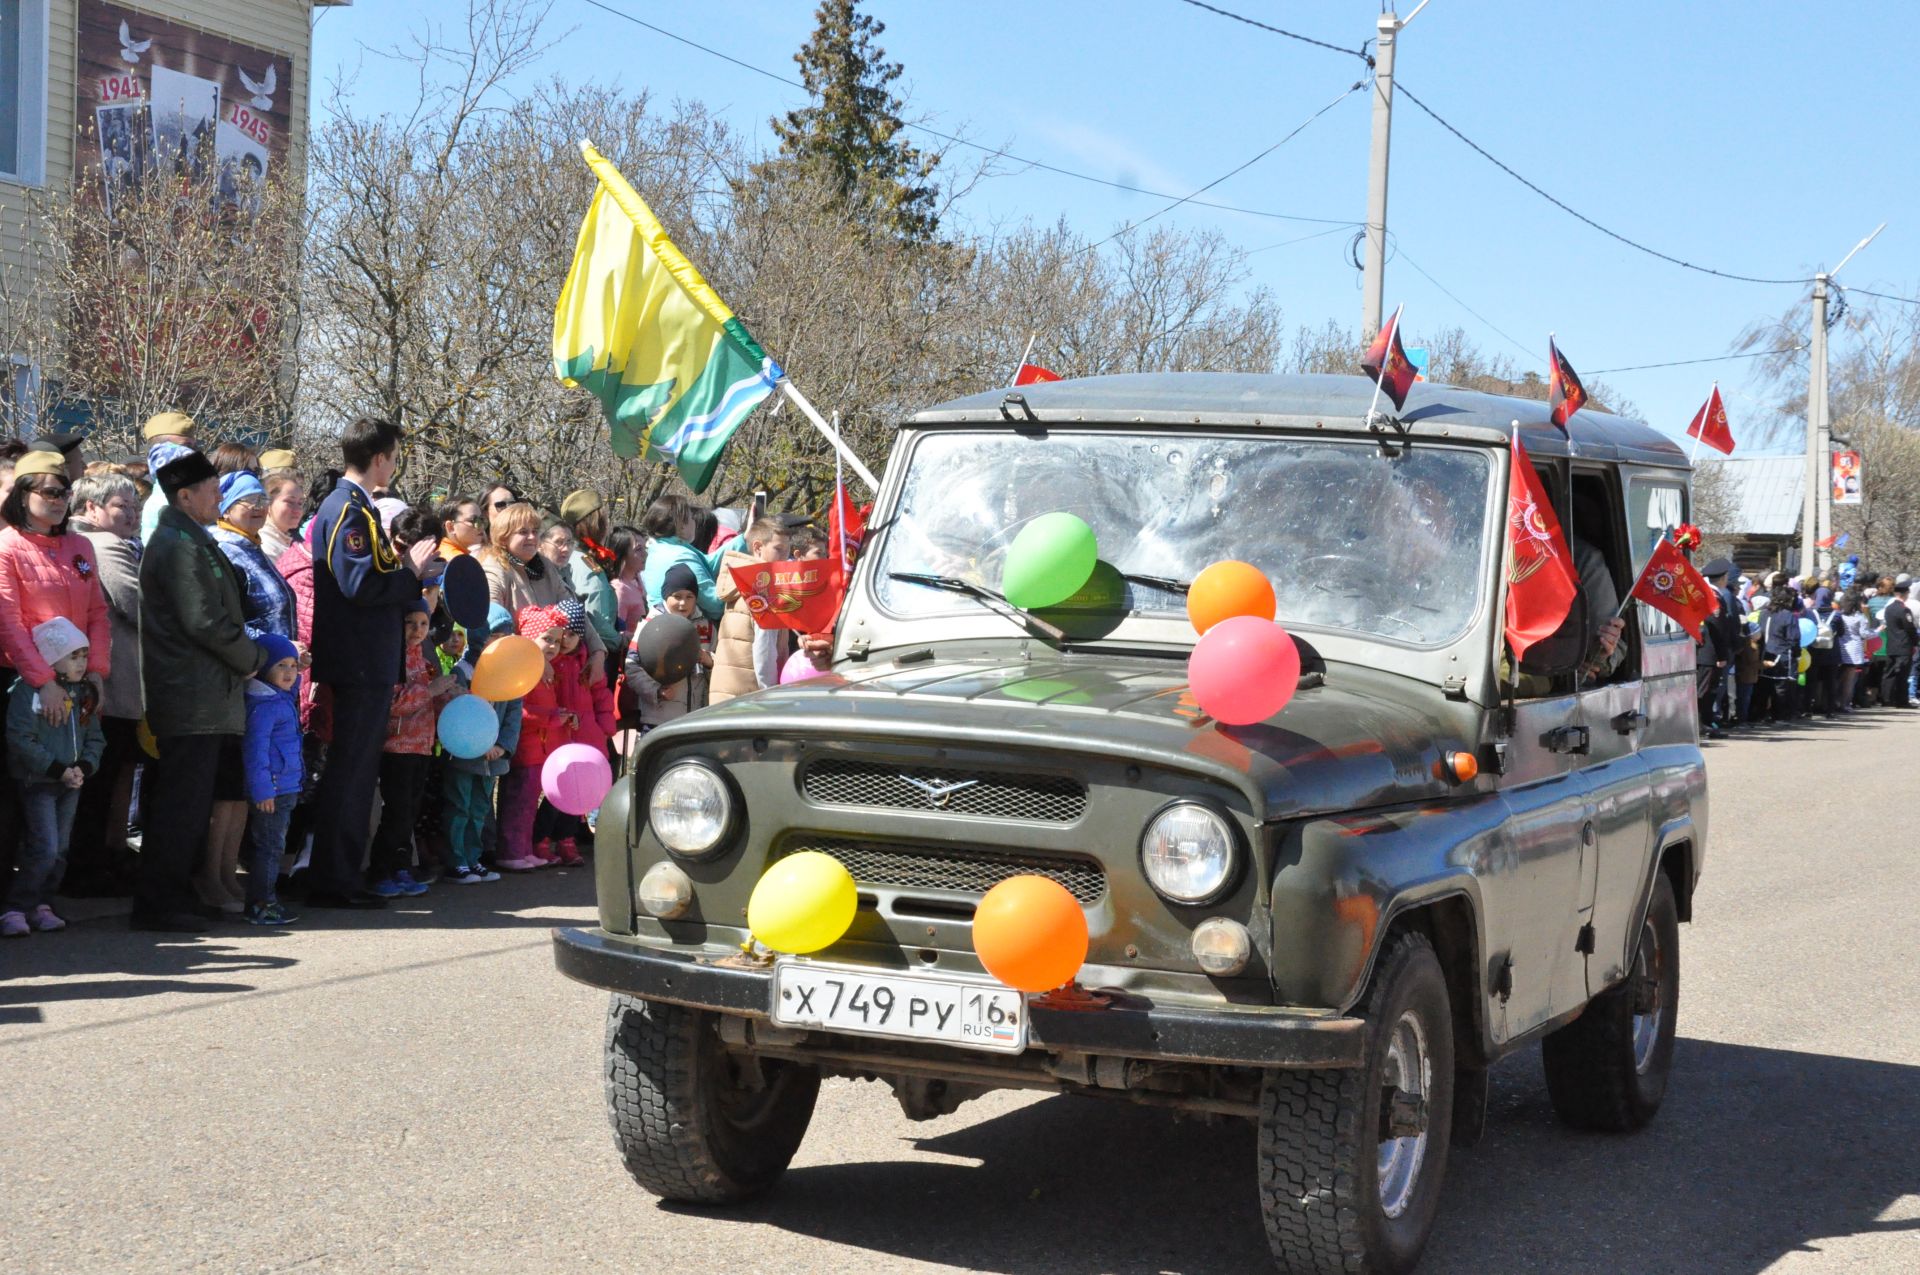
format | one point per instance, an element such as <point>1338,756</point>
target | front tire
<point>693,1122</point>
<point>1351,1160</point>
<point>1607,1070</point>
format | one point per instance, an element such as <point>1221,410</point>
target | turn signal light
<point>1465,767</point>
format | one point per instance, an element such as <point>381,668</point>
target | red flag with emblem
<point>803,595</point>
<point>1541,581</point>
<point>1033,374</point>
<point>1710,424</point>
<point>1670,584</point>
<point>1565,394</point>
<point>1386,362</point>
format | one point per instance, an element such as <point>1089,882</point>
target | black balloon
<point>667,647</point>
<point>464,589</point>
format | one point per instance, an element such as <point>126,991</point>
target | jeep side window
<point>1654,509</point>
<point>1592,525</point>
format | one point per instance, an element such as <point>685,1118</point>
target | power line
<point>1402,253</point>
<point>1482,151</point>
<point>1288,243</point>
<point>991,152</point>
<point>1360,52</point>
<point>1884,296</point>
<point>1719,358</point>
<point>1338,98</point>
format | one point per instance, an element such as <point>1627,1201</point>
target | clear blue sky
<point>1762,139</point>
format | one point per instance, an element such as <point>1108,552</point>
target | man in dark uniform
<point>361,591</point>
<point>1713,653</point>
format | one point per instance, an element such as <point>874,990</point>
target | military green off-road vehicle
<point>1330,924</point>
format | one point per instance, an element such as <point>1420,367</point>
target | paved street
<point>417,1090</point>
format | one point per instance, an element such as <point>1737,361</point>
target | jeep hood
<point>1364,738</point>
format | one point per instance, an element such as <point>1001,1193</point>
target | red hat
<point>533,621</point>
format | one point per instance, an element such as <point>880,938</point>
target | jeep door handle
<point>1629,722</point>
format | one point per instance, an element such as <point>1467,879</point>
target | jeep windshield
<point>1353,540</point>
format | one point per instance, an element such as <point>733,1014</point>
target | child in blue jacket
<point>275,769</point>
<point>469,782</point>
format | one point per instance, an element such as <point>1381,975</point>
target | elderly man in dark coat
<point>195,659</point>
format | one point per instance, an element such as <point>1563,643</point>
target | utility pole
<point>1816,510</point>
<point>1374,281</point>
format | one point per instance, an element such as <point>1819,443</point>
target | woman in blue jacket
<point>669,524</point>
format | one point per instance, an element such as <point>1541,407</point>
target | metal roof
<point>1311,401</point>
<point>1764,493</point>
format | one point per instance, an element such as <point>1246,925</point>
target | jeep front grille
<point>1036,798</point>
<point>959,871</point>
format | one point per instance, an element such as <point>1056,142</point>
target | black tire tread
<point>1589,1062</point>
<point>661,1128</point>
<point>1305,1143</point>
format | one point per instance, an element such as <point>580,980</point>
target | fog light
<point>665,891</point>
<point>1222,946</point>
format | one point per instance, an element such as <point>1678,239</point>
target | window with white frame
<point>23,90</point>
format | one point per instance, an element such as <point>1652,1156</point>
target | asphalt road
<point>418,1090</point>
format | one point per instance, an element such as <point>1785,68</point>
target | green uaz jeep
<point>1330,924</point>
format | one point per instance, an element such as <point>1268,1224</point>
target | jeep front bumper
<point>1132,1026</point>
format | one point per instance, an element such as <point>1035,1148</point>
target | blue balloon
<point>1808,631</point>
<point>468,727</point>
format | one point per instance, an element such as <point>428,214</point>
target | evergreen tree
<point>852,131</point>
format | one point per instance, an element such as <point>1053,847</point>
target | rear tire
<point>1607,1070</point>
<point>1338,1192</point>
<point>693,1122</point>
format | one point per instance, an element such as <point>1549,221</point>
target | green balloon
<point>1049,561</point>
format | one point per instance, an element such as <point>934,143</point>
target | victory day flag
<point>1565,394</point>
<point>674,370</point>
<point>1669,583</point>
<point>846,525</point>
<point>1033,374</point>
<point>1710,424</point>
<point>1386,362</point>
<point>803,595</point>
<point>1541,581</point>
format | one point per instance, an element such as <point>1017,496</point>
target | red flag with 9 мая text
<point>1541,581</point>
<point>803,595</point>
<point>1670,584</point>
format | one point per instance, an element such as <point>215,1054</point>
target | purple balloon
<point>576,778</point>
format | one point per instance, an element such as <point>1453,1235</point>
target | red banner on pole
<point>803,595</point>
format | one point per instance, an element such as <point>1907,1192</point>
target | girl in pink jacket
<point>47,571</point>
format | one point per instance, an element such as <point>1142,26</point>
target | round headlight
<point>689,809</point>
<point>1188,853</point>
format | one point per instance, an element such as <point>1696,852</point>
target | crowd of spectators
<point>226,672</point>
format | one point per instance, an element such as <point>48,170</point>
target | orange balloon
<point>1228,589</point>
<point>508,669</point>
<point>1030,933</point>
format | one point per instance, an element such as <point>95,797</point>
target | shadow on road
<point>1758,1153</point>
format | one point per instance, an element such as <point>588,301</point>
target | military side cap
<point>164,423</point>
<point>277,458</point>
<point>39,461</point>
<point>579,504</point>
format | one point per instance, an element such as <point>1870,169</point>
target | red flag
<point>1829,542</point>
<point>802,595</point>
<point>1386,361</point>
<point>1541,581</point>
<point>846,525</point>
<point>1670,584</point>
<point>1710,424</point>
<point>1033,374</point>
<point>1565,394</point>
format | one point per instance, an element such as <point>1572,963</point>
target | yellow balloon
<point>148,744</point>
<point>1806,662</point>
<point>805,902</point>
<point>508,669</point>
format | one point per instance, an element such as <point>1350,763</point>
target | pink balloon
<point>576,778</point>
<point>1244,670</point>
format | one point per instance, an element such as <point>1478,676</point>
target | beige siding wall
<point>283,26</point>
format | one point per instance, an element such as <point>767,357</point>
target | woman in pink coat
<point>48,571</point>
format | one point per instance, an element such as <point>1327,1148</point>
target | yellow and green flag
<point>674,370</point>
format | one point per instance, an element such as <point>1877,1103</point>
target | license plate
<point>973,1015</point>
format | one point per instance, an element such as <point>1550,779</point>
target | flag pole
<point>812,413</point>
<point>1024,356</point>
<point>839,519</point>
<point>1694,455</point>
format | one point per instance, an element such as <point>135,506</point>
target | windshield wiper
<point>995,602</point>
<point>1159,582</point>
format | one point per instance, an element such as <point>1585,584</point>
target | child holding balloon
<point>468,782</point>
<point>661,702</point>
<point>545,724</point>
<point>589,702</point>
<point>405,759</point>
